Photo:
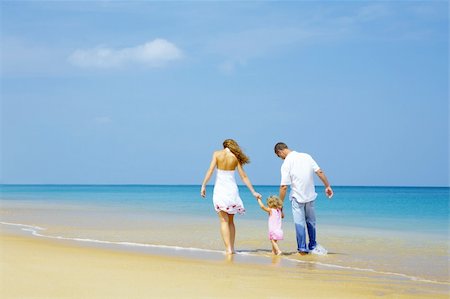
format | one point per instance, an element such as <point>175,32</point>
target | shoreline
<point>379,244</point>
<point>40,258</point>
<point>243,256</point>
<point>211,185</point>
<point>43,268</point>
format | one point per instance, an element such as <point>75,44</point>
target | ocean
<point>401,232</point>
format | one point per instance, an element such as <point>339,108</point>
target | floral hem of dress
<point>276,236</point>
<point>233,209</point>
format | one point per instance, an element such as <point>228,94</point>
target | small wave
<point>414,278</point>
<point>23,225</point>
<point>35,231</point>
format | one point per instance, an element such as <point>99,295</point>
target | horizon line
<point>261,185</point>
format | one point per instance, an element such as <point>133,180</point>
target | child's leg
<point>275,249</point>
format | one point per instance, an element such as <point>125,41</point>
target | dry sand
<point>40,268</point>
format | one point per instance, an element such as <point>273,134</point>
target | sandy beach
<point>126,242</point>
<point>39,268</point>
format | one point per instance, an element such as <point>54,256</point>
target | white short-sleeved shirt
<point>298,171</point>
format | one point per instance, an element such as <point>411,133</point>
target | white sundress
<point>226,193</point>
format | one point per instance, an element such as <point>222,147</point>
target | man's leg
<point>310,217</point>
<point>298,212</point>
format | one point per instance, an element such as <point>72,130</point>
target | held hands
<point>257,195</point>
<point>329,192</point>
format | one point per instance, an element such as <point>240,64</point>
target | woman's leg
<point>225,231</point>
<point>232,231</point>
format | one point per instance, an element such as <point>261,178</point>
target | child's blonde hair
<point>274,202</point>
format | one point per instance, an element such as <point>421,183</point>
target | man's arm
<point>323,178</point>
<point>282,195</point>
<point>283,189</point>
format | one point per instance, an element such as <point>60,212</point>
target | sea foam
<point>37,231</point>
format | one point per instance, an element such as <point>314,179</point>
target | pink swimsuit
<point>275,231</point>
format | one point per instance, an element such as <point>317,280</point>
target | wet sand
<point>34,267</point>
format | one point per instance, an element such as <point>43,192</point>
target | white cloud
<point>102,120</point>
<point>430,11</point>
<point>239,48</point>
<point>229,66</point>
<point>154,53</point>
<point>373,12</point>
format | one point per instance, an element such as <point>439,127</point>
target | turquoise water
<point>396,208</point>
<point>395,231</point>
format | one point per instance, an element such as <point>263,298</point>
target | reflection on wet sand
<point>276,259</point>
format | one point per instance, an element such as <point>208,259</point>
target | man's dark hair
<point>280,146</point>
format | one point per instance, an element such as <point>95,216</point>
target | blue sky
<point>142,92</point>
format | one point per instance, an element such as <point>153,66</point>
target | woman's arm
<point>247,182</point>
<point>208,174</point>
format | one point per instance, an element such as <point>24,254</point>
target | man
<point>298,171</point>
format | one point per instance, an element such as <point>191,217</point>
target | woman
<point>226,194</point>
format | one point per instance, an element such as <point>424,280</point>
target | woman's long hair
<point>236,150</point>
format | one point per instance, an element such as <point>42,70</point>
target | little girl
<point>275,215</point>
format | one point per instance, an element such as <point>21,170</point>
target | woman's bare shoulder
<point>219,152</point>
<point>219,155</point>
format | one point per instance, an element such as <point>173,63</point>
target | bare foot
<point>302,253</point>
<point>229,258</point>
<point>279,253</point>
